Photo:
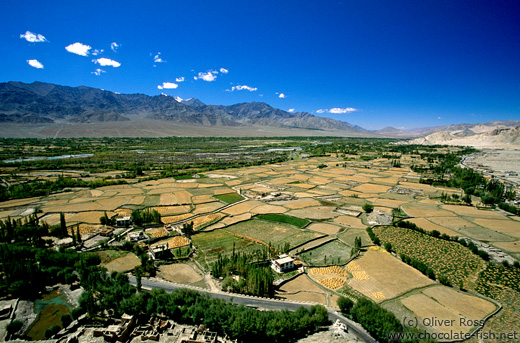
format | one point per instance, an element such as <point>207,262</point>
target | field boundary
<point>311,240</point>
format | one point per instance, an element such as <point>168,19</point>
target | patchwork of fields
<point>317,213</point>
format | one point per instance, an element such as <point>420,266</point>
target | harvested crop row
<point>330,270</point>
<point>333,283</point>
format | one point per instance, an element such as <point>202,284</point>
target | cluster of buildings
<point>139,329</point>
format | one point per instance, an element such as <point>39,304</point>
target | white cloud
<point>107,62</point>
<point>33,37</point>
<point>168,85</point>
<point>439,118</point>
<point>157,58</point>
<point>224,71</point>
<point>337,110</point>
<point>35,63</point>
<point>179,79</point>
<point>114,46</point>
<point>207,76</point>
<point>98,72</point>
<point>78,49</point>
<point>290,110</point>
<point>342,110</point>
<point>239,88</point>
<point>96,52</point>
<point>281,95</point>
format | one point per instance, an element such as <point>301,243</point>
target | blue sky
<point>371,63</point>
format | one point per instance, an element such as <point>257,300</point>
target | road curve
<point>264,303</point>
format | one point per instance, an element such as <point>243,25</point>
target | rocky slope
<point>499,137</point>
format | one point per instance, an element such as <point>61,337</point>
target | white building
<point>283,263</point>
<point>125,221</point>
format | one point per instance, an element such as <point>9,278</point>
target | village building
<point>136,236</point>
<point>125,221</point>
<point>283,263</point>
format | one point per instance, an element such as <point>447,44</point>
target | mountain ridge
<point>49,103</point>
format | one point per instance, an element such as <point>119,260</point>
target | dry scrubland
<point>318,195</point>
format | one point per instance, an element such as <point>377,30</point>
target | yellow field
<point>137,200</point>
<point>201,199</point>
<point>206,219</point>
<point>509,227</point>
<point>122,212</point>
<point>236,219</point>
<point>424,211</point>
<point>473,212</point>
<point>508,246</point>
<point>315,212</point>
<point>459,309</point>
<point>465,304</point>
<point>377,265</point>
<point>329,271</point>
<point>264,209</point>
<point>371,188</point>
<point>123,264</point>
<point>207,207</point>
<point>88,217</point>
<point>157,233</point>
<point>350,222</point>
<point>223,191</point>
<point>451,222</point>
<point>244,207</point>
<point>183,197</point>
<point>166,199</point>
<point>302,203</point>
<point>112,203</point>
<point>425,307</point>
<point>429,226</point>
<point>179,273</point>
<point>175,242</point>
<point>169,210</point>
<point>173,219</point>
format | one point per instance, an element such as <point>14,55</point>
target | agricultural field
<point>332,253</point>
<point>211,244</point>
<point>123,264</point>
<point>302,202</point>
<point>271,232</point>
<point>459,311</point>
<point>302,289</point>
<point>181,273</point>
<point>446,258</point>
<point>370,276</point>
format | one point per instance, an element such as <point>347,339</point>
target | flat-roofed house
<point>283,263</point>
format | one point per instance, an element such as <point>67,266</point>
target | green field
<point>229,198</point>
<point>210,244</point>
<point>271,232</point>
<point>283,218</point>
<point>350,235</point>
<point>331,253</point>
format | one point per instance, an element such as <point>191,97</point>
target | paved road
<point>269,304</point>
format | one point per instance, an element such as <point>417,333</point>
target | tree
<point>368,207</point>
<point>345,305</point>
<point>66,319</point>
<point>13,327</point>
<point>187,229</point>
<point>51,331</point>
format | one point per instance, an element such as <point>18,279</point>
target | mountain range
<point>46,103</point>
<point>43,109</point>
